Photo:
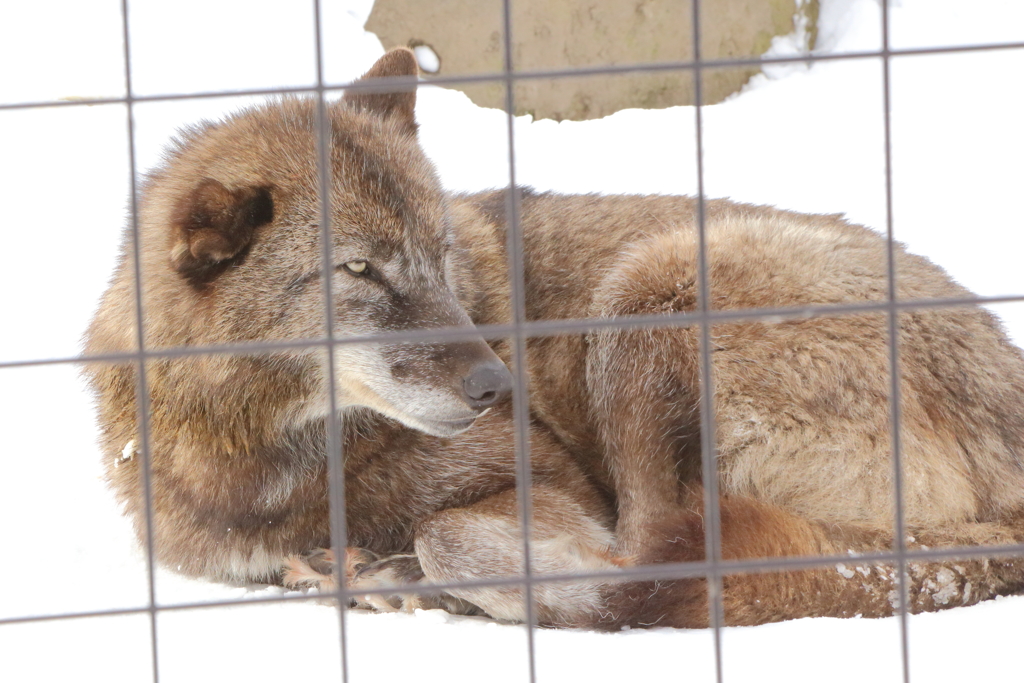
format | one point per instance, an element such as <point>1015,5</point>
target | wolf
<point>238,444</point>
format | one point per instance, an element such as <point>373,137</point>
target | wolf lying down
<point>231,253</point>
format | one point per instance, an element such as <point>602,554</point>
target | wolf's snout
<point>486,384</point>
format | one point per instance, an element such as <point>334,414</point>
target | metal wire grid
<point>713,568</point>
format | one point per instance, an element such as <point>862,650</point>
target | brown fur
<point>231,253</point>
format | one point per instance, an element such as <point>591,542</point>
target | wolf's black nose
<point>486,384</point>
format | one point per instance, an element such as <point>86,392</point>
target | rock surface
<point>466,36</point>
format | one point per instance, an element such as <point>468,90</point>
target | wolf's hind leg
<point>645,384</point>
<point>484,542</point>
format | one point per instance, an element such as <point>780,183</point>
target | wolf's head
<point>233,252</point>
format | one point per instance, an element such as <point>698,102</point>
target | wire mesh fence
<point>522,328</point>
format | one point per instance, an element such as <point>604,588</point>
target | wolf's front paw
<point>398,571</point>
<point>315,569</point>
<point>395,571</point>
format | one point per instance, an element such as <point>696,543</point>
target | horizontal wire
<point>667,571</point>
<point>383,85</point>
<point>536,328</point>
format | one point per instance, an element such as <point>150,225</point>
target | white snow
<point>427,58</point>
<point>844,571</point>
<point>806,138</point>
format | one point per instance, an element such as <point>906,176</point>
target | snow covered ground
<point>804,138</point>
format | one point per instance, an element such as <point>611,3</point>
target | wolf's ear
<point>400,100</point>
<point>212,225</point>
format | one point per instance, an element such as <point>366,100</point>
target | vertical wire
<point>520,384</point>
<point>142,386</point>
<point>335,460</point>
<point>709,466</point>
<point>894,369</point>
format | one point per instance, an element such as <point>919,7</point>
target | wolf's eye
<point>357,267</point>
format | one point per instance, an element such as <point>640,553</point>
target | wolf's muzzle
<point>486,384</point>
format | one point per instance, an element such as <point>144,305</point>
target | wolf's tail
<point>847,588</point>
